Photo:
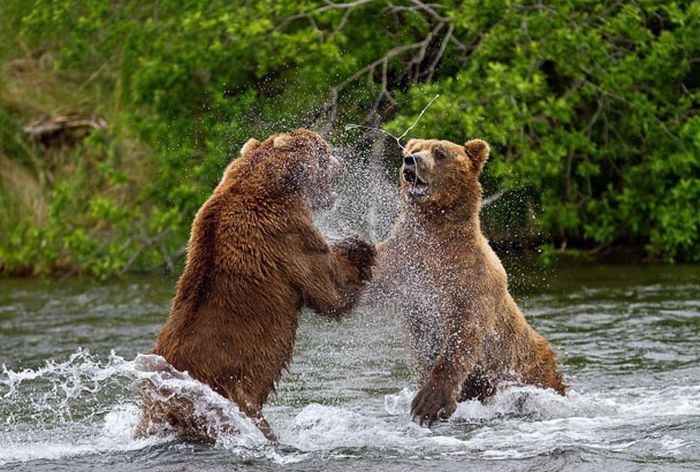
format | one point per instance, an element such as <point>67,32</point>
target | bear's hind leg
<point>252,410</point>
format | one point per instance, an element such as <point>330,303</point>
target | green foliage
<point>90,225</point>
<point>591,109</point>
<point>594,105</point>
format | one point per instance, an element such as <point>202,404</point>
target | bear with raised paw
<point>254,259</point>
<point>464,330</point>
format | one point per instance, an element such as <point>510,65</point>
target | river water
<point>628,339</point>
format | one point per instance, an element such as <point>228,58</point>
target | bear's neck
<point>460,221</point>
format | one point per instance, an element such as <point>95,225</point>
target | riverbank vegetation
<point>591,109</point>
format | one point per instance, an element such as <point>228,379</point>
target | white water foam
<point>225,422</point>
<point>328,428</point>
<point>86,406</point>
<point>525,421</point>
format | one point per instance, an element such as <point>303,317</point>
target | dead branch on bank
<point>64,129</point>
<point>169,260</point>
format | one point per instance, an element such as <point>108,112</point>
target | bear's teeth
<point>418,189</point>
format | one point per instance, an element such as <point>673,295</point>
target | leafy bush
<point>594,105</point>
<point>591,108</point>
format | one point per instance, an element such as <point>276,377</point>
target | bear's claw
<point>433,402</point>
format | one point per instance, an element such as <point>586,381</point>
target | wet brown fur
<point>481,336</point>
<point>254,260</point>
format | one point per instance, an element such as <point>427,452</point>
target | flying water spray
<point>398,139</point>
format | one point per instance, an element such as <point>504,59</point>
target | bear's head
<point>442,174</point>
<point>298,162</point>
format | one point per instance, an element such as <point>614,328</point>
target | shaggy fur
<point>254,259</point>
<point>464,330</point>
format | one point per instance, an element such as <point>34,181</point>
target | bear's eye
<point>439,154</point>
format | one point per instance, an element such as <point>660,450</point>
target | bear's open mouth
<point>417,187</point>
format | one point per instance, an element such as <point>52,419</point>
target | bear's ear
<point>477,151</point>
<point>409,145</point>
<point>284,142</point>
<point>249,146</point>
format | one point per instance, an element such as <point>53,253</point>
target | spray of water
<point>350,126</point>
<point>398,139</point>
<point>367,202</point>
<point>413,125</point>
<point>91,401</point>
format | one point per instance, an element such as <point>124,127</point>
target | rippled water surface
<point>628,339</point>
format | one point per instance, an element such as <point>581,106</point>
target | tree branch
<point>349,6</point>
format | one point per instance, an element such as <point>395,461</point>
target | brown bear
<point>254,259</point>
<point>464,330</point>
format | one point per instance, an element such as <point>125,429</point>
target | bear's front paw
<point>433,401</point>
<point>359,252</point>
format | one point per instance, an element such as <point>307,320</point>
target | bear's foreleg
<point>330,278</point>
<point>437,398</point>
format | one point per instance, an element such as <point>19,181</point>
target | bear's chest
<point>415,296</point>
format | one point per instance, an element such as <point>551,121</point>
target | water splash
<point>413,125</point>
<point>351,126</point>
<point>526,421</point>
<point>62,391</point>
<point>97,411</point>
<point>163,387</point>
<point>367,201</point>
<point>398,139</point>
<point>85,405</point>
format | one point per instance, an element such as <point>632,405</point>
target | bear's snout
<point>410,160</point>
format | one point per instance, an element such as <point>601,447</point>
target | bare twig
<point>383,62</point>
<point>348,6</point>
<point>429,9</point>
<point>145,243</point>
<point>441,52</point>
<point>169,261</point>
<point>400,65</point>
<point>594,118</point>
<point>615,96</point>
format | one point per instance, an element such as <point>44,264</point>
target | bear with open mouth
<point>465,332</point>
